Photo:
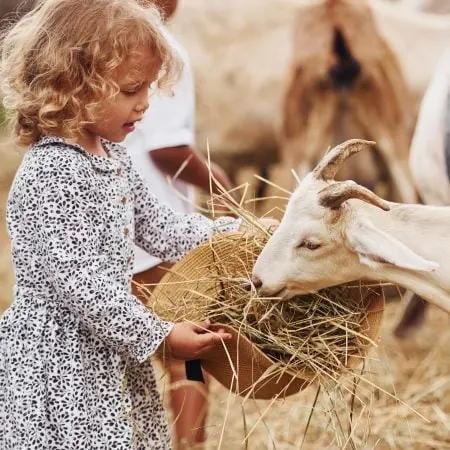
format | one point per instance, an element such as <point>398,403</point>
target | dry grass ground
<point>417,372</point>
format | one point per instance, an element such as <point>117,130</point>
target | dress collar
<point>100,163</point>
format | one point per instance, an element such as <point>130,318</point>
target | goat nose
<point>256,281</point>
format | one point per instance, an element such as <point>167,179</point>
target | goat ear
<point>375,247</point>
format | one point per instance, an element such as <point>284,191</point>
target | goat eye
<point>309,245</point>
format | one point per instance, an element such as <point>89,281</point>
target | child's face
<point>120,116</point>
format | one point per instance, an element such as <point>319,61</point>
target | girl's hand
<point>190,341</point>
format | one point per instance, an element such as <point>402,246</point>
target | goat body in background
<point>430,147</point>
<point>346,80</point>
<point>242,55</point>
<point>430,164</point>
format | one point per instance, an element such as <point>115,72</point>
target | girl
<point>75,346</point>
<point>164,142</point>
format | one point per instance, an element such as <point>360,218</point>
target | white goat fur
<point>406,245</point>
<point>427,153</point>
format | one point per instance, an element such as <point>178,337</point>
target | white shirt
<point>169,122</point>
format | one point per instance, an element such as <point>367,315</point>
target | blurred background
<point>277,83</point>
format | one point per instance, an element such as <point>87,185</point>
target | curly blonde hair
<point>57,62</point>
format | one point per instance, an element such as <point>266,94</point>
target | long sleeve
<point>169,235</point>
<point>70,230</point>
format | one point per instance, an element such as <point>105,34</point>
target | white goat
<point>430,148</point>
<point>429,162</point>
<point>337,232</point>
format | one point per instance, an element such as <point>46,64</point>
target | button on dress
<point>75,344</point>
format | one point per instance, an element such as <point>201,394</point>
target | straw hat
<point>191,284</point>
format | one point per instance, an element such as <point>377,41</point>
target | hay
<point>415,371</point>
<point>314,335</point>
<point>398,401</point>
<point>317,337</point>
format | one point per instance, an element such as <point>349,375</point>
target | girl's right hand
<point>189,341</point>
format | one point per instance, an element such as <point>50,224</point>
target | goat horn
<point>335,194</point>
<point>328,166</point>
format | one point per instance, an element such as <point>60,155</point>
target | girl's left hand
<point>189,340</point>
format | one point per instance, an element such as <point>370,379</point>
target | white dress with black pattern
<point>75,345</point>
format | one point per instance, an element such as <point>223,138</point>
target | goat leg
<point>413,315</point>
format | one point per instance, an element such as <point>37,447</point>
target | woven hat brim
<point>186,290</point>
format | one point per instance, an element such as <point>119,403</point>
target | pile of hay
<point>315,334</point>
<point>403,402</point>
<point>316,337</point>
<point>383,407</point>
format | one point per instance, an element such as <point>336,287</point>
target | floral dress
<point>75,344</point>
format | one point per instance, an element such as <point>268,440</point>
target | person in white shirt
<point>162,143</point>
